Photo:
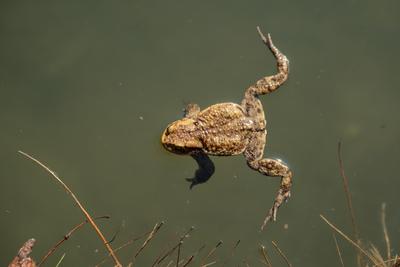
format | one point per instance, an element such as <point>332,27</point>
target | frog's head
<point>179,137</point>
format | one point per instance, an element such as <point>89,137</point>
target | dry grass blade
<point>211,252</point>
<point>123,246</point>
<point>236,245</point>
<point>395,260</point>
<point>396,263</point>
<point>267,261</point>
<point>281,253</point>
<point>188,261</point>
<point>385,231</point>
<point>61,259</point>
<point>349,240</point>
<point>338,249</point>
<point>208,264</point>
<point>149,238</point>
<point>232,253</point>
<point>191,257</point>
<point>349,202</point>
<point>76,200</point>
<point>179,253</point>
<point>377,256</point>
<point>66,237</point>
<point>169,252</point>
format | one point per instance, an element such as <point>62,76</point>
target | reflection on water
<point>88,89</point>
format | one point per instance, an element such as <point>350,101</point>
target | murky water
<point>88,88</point>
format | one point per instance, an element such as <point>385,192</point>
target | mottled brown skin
<point>228,129</point>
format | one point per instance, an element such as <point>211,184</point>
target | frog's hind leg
<point>205,170</point>
<point>270,83</point>
<point>269,167</point>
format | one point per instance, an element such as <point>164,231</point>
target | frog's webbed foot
<point>191,110</point>
<point>204,172</point>
<point>276,168</point>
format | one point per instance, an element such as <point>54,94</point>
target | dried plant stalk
<point>346,187</point>
<point>281,253</point>
<point>65,238</point>
<point>76,200</point>
<point>349,240</point>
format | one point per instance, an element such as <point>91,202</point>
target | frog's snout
<point>164,137</point>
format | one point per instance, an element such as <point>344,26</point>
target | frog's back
<point>224,129</point>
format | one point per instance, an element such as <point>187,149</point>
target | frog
<point>228,129</point>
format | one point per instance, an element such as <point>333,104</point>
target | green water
<point>88,88</point>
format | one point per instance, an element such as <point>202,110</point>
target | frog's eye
<point>169,130</point>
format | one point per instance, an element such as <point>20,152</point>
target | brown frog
<point>228,129</point>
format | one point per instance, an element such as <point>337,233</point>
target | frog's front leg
<point>205,170</point>
<point>276,168</point>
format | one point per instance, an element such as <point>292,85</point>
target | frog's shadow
<point>205,169</point>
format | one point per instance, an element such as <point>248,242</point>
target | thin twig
<point>84,211</point>
<point>281,253</point>
<point>385,231</point>
<point>169,252</point>
<point>66,237</point>
<point>374,252</point>
<point>266,261</point>
<point>61,259</point>
<point>122,246</point>
<point>208,264</point>
<point>150,237</point>
<point>179,253</point>
<point>211,252</point>
<point>338,249</point>
<point>190,259</point>
<point>356,232</point>
<point>232,253</point>
<point>395,260</point>
<point>349,240</point>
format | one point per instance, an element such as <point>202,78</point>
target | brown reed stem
<point>76,200</point>
<point>123,246</point>
<point>190,259</point>
<point>385,231</point>
<point>263,251</point>
<point>346,187</point>
<point>66,237</point>
<point>338,249</point>
<point>179,253</point>
<point>281,253</point>
<point>169,252</point>
<point>211,252</point>
<point>349,240</point>
<point>150,237</point>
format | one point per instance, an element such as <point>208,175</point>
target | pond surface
<point>89,87</point>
